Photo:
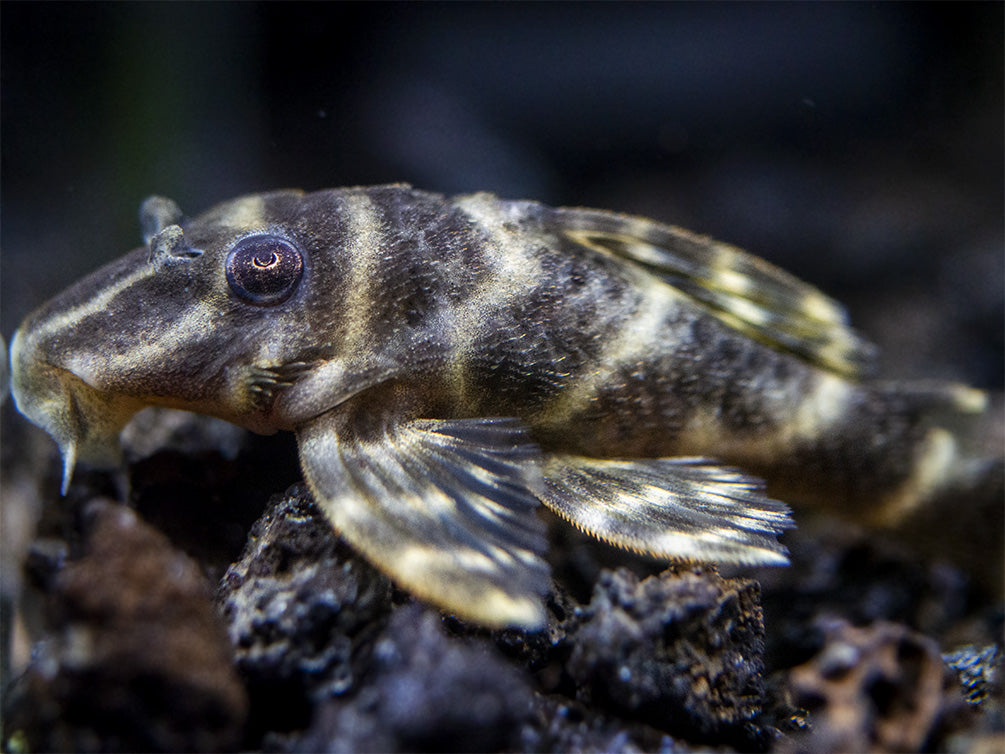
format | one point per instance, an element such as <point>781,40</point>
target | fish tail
<point>945,421</point>
<point>958,514</point>
<point>875,452</point>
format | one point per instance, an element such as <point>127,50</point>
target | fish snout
<point>84,421</point>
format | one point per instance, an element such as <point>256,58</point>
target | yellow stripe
<point>56,323</point>
<point>243,215</point>
<point>170,342</point>
<point>512,269</point>
<point>636,339</point>
<point>247,214</point>
<point>362,249</point>
<point>936,460</point>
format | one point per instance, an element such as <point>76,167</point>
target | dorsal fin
<point>744,291</point>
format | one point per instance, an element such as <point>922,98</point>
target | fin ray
<point>686,508</point>
<point>742,290</point>
<point>446,508</point>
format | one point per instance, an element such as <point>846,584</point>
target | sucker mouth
<point>84,421</point>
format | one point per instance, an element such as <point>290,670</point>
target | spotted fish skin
<point>448,362</point>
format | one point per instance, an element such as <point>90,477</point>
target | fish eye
<point>264,270</point>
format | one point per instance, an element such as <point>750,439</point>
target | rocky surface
<point>426,691</point>
<point>877,688</point>
<point>304,646</point>
<point>302,612</point>
<point>134,658</point>
<point>316,628</point>
<point>682,651</point>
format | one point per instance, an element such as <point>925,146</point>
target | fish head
<point>213,315</point>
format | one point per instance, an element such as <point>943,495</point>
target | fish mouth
<point>84,421</point>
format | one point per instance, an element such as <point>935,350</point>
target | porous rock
<point>426,692</point>
<point>682,651</point>
<point>135,659</point>
<point>841,570</point>
<point>560,724</point>
<point>302,611</point>
<point>879,688</point>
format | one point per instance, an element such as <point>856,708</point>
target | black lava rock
<point>301,610</point>
<point>135,658</point>
<point>426,692</point>
<point>682,651</point>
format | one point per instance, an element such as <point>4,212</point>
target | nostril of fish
<point>169,243</point>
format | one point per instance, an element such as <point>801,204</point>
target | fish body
<point>448,364</point>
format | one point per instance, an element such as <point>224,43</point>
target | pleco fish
<point>447,364</point>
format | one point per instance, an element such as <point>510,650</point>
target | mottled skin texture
<point>606,337</point>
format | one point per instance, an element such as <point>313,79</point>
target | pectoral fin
<point>685,508</point>
<point>446,508</point>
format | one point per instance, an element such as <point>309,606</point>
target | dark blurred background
<point>859,145</point>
